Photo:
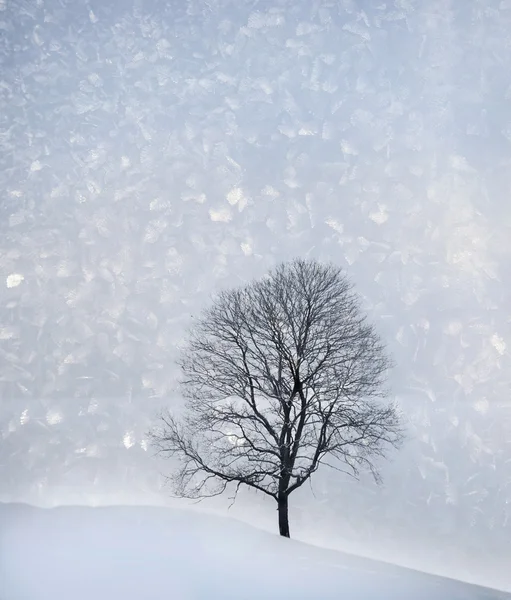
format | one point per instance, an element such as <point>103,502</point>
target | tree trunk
<point>282,507</point>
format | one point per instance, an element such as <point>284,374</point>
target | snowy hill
<point>128,553</point>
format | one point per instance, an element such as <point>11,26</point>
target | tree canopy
<point>280,376</point>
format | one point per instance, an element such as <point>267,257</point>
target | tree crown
<point>280,376</point>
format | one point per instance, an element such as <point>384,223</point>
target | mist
<point>153,153</point>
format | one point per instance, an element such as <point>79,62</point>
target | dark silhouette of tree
<point>280,376</point>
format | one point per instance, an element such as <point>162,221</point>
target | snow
<point>130,553</point>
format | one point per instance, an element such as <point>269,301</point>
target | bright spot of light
<point>499,344</point>
<point>24,417</point>
<point>234,196</point>
<point>128,440</point>
<point>54,417</point>
<point>246,248</point>
<point>236,440</point>
<point>221,215</point>
<point>14,279</point>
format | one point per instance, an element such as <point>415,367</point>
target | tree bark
<point>282,507</point>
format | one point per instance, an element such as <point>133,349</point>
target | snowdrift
<point>134,553</point>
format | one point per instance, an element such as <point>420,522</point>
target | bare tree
<point>280,376</point>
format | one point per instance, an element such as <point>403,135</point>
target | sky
<point>152,153</point>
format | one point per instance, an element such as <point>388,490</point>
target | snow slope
<point>128,553</point>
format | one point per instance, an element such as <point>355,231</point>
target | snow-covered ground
<point>145,553</point>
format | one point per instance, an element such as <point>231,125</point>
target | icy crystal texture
<point>152,152</point>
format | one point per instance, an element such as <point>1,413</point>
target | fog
<point>152,153</point>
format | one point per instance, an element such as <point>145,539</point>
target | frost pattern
<point>153,153</point>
